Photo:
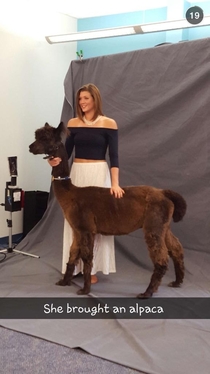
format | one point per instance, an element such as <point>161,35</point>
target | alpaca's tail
<point>180,205</point>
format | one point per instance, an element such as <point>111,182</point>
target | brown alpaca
<point>93,210</point>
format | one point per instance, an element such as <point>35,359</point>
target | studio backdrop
<point>159,98</point>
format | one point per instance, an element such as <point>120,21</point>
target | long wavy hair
<point>95,93</point>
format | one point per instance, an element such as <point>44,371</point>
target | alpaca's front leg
<point>73,259</point>
<point>66,280</point>
<point>87,279</point>
<point>87,243</point>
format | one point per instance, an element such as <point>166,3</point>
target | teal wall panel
<point>106,46</point>
<point>99,47</point>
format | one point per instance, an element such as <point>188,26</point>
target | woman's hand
<point>55,161</point>
<point>117,191</point>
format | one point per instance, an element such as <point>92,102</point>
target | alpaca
<point>93,210</point>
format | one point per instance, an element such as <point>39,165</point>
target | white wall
<point>31,93</point>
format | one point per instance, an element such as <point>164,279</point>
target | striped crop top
<point>92,143</point>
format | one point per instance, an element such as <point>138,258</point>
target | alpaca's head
<point>48,140</point>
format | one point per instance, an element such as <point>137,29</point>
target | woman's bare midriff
<point>86,160</point>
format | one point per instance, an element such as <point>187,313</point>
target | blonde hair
<point>95,93</point>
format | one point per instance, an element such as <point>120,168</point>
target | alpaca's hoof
<point>145,295</point>
<point>174,284</point>
<point>83,291</point>
<point>63,282</point>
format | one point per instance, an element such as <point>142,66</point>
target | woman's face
<point>86,102</point>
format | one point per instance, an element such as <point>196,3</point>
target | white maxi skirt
<point>83,175</point>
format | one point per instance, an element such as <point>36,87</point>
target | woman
<point>91,134</point>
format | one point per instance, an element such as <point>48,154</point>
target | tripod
<point>13,204</point>
<point>10,248</point>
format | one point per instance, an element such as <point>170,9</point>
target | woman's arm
<point>116,190</point>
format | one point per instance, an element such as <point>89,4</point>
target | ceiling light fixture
<point>126,30</point>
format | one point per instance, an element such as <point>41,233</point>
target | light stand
<point>13,204</point>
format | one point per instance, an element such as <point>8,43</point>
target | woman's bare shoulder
<point>109,123</point>
<point>74,122</point>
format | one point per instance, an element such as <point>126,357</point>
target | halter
<point>60,178</point>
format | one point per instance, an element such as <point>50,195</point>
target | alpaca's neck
<point>62,184</point>
<point>62,170</point>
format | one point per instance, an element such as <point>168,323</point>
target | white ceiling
<point>85,8</point>
<point>39,17</point>
<point>94,8</point>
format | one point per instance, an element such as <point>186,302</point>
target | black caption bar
<point>104,308</point>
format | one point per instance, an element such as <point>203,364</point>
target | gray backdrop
<point>160,100</point>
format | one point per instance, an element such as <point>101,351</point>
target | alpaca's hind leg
<point>155,227</point>
<point>73,259</point>
<point>87,243</point>
<point>176,253</point>
<point>158,273</point>
<point>159,256</point>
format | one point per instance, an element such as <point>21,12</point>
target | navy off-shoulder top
<point>92,143</point>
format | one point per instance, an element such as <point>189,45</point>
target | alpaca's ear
<point>61,128</point>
